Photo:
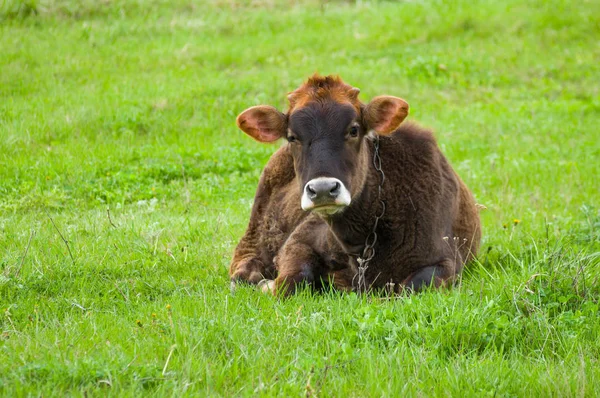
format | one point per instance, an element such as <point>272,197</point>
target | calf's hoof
<point>267,286</point>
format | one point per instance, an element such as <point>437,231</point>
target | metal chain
<point>369,249</point>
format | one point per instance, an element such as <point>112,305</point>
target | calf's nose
<point>325,192</point>
<point>323,189</point>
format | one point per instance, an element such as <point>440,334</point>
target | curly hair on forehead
<point>322,88</point>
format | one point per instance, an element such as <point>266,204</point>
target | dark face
<point>326,140</point>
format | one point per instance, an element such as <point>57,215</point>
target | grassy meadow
<point>125,186</point>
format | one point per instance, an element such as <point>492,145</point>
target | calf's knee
<point>287,282</point>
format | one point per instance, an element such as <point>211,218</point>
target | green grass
<point>130,106</point>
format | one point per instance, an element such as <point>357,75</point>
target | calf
<point>355,199</point>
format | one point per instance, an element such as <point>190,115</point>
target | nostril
<point>311,192</point>
<point>335,191</point>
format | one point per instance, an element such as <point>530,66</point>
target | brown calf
<point>315,214</point>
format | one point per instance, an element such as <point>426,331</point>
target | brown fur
<point>430,230</point>
<point>319,88</point>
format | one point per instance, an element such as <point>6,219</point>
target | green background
<point>126,108</point>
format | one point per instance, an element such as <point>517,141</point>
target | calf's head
<point>326,127</point>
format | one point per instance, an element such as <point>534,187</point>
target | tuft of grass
<point>125,185</point>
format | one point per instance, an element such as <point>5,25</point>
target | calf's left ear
<point>263,123</point>
<point>385,113</point>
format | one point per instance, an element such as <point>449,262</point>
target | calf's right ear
<point>263,123</point>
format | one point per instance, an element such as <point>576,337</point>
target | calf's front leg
<point>252,261</point>
<point>297,264</point>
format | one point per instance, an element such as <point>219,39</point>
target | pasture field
<point>125,185</point>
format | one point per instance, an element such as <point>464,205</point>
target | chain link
<point>369,249</point>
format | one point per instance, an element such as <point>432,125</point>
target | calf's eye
<point>353,132</point>
<point>291,138</point>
